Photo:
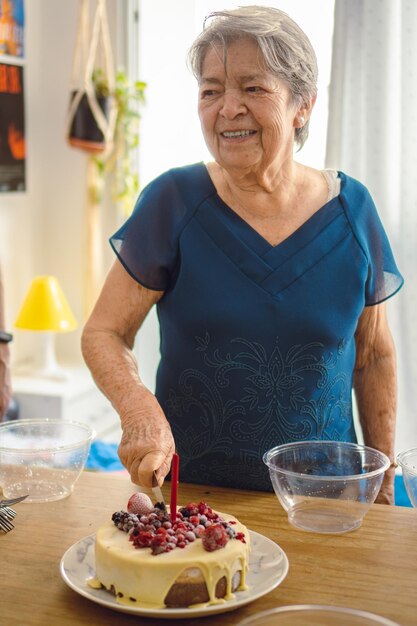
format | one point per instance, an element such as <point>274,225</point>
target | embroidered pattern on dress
<point>275,405</point>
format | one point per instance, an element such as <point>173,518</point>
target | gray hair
<point>285,48</point>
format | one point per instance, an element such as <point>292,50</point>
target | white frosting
<point>145,579</point>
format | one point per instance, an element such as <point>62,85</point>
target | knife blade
<point>6,503</point>
<point>156,489</point>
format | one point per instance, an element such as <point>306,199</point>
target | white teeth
<point>237,133</point>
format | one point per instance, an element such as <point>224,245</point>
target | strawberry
<point>139,504</point>
<point>214,537</point>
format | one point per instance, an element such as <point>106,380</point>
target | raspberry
<point>192,508</point>
<point>214,537</point>
<point>157,540</point>
<point>203,508</point>
<point>139,504</point>
<point>142,540</point>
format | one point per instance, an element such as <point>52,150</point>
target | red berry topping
<point>214,537</point>
<point>151,527</point>
<point>143,539</point>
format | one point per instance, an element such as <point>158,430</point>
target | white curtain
<point>372,135</point>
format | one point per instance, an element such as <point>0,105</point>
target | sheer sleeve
<point>147,243</point>
<point>384,278</point>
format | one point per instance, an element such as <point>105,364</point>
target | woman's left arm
<point>375,385</point>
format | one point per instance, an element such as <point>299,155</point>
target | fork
<point>5,523</point>
<point>5,503</point>
<point>8,512</point>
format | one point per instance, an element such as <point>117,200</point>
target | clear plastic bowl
<point>326,486</point>
<point>408,462</point>
<point>42,457</point>
<point>310,615</point>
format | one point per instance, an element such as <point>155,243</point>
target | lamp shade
<point>45,307</point>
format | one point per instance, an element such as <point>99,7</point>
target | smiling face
<point>247,114</point>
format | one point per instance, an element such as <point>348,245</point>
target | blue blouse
<point>257,341</point>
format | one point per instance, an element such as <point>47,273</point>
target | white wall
<point>42,230</point>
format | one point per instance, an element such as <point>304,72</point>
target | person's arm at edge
<point>375,384</point>
<point>5,382</point>
<point>107,346</point>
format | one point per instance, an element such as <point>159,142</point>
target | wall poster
<point>12,109</point>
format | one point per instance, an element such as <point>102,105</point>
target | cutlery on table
<point>7,513</point>
<point>5,503</point>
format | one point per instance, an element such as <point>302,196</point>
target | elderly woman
<point>269,279</point>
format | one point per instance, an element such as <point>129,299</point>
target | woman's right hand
<point>147,444</point>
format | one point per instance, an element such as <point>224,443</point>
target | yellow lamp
<point>46,309</point>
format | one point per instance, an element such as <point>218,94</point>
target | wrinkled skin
<point>147,445</point>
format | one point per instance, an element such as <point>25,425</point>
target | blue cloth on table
<point>401,496</point>
<point>257,341</point>
<point>103,457</point>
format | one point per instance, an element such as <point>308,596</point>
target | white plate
<point>268,566</point>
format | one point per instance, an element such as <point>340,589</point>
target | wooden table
<point>373,568</point>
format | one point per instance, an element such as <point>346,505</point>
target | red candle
<point>174,486</point>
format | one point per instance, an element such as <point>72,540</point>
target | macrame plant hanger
<point>90,126</point>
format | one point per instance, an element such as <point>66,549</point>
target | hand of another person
<point>386,492</point>
<point>5,384</point>
<point>147,444</point>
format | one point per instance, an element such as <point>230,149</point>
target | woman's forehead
<point>242,55</point>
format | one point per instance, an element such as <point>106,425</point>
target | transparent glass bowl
<point>310,615</point>
<point>42,457</point>
<point>407,460</point>
<point>326,486</point>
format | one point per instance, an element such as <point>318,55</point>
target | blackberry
<point>117,517</point>
<point>124,521</point>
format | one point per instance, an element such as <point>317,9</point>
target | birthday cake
<point>149,559</point>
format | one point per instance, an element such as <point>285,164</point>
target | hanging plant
<point>92,113</point>
<point>120,162</point>
<point>85,132</point>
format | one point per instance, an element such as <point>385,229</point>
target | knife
<point>6,503</point>
<point>156,490</point>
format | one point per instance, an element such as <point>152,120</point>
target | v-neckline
<point>253,238</point>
